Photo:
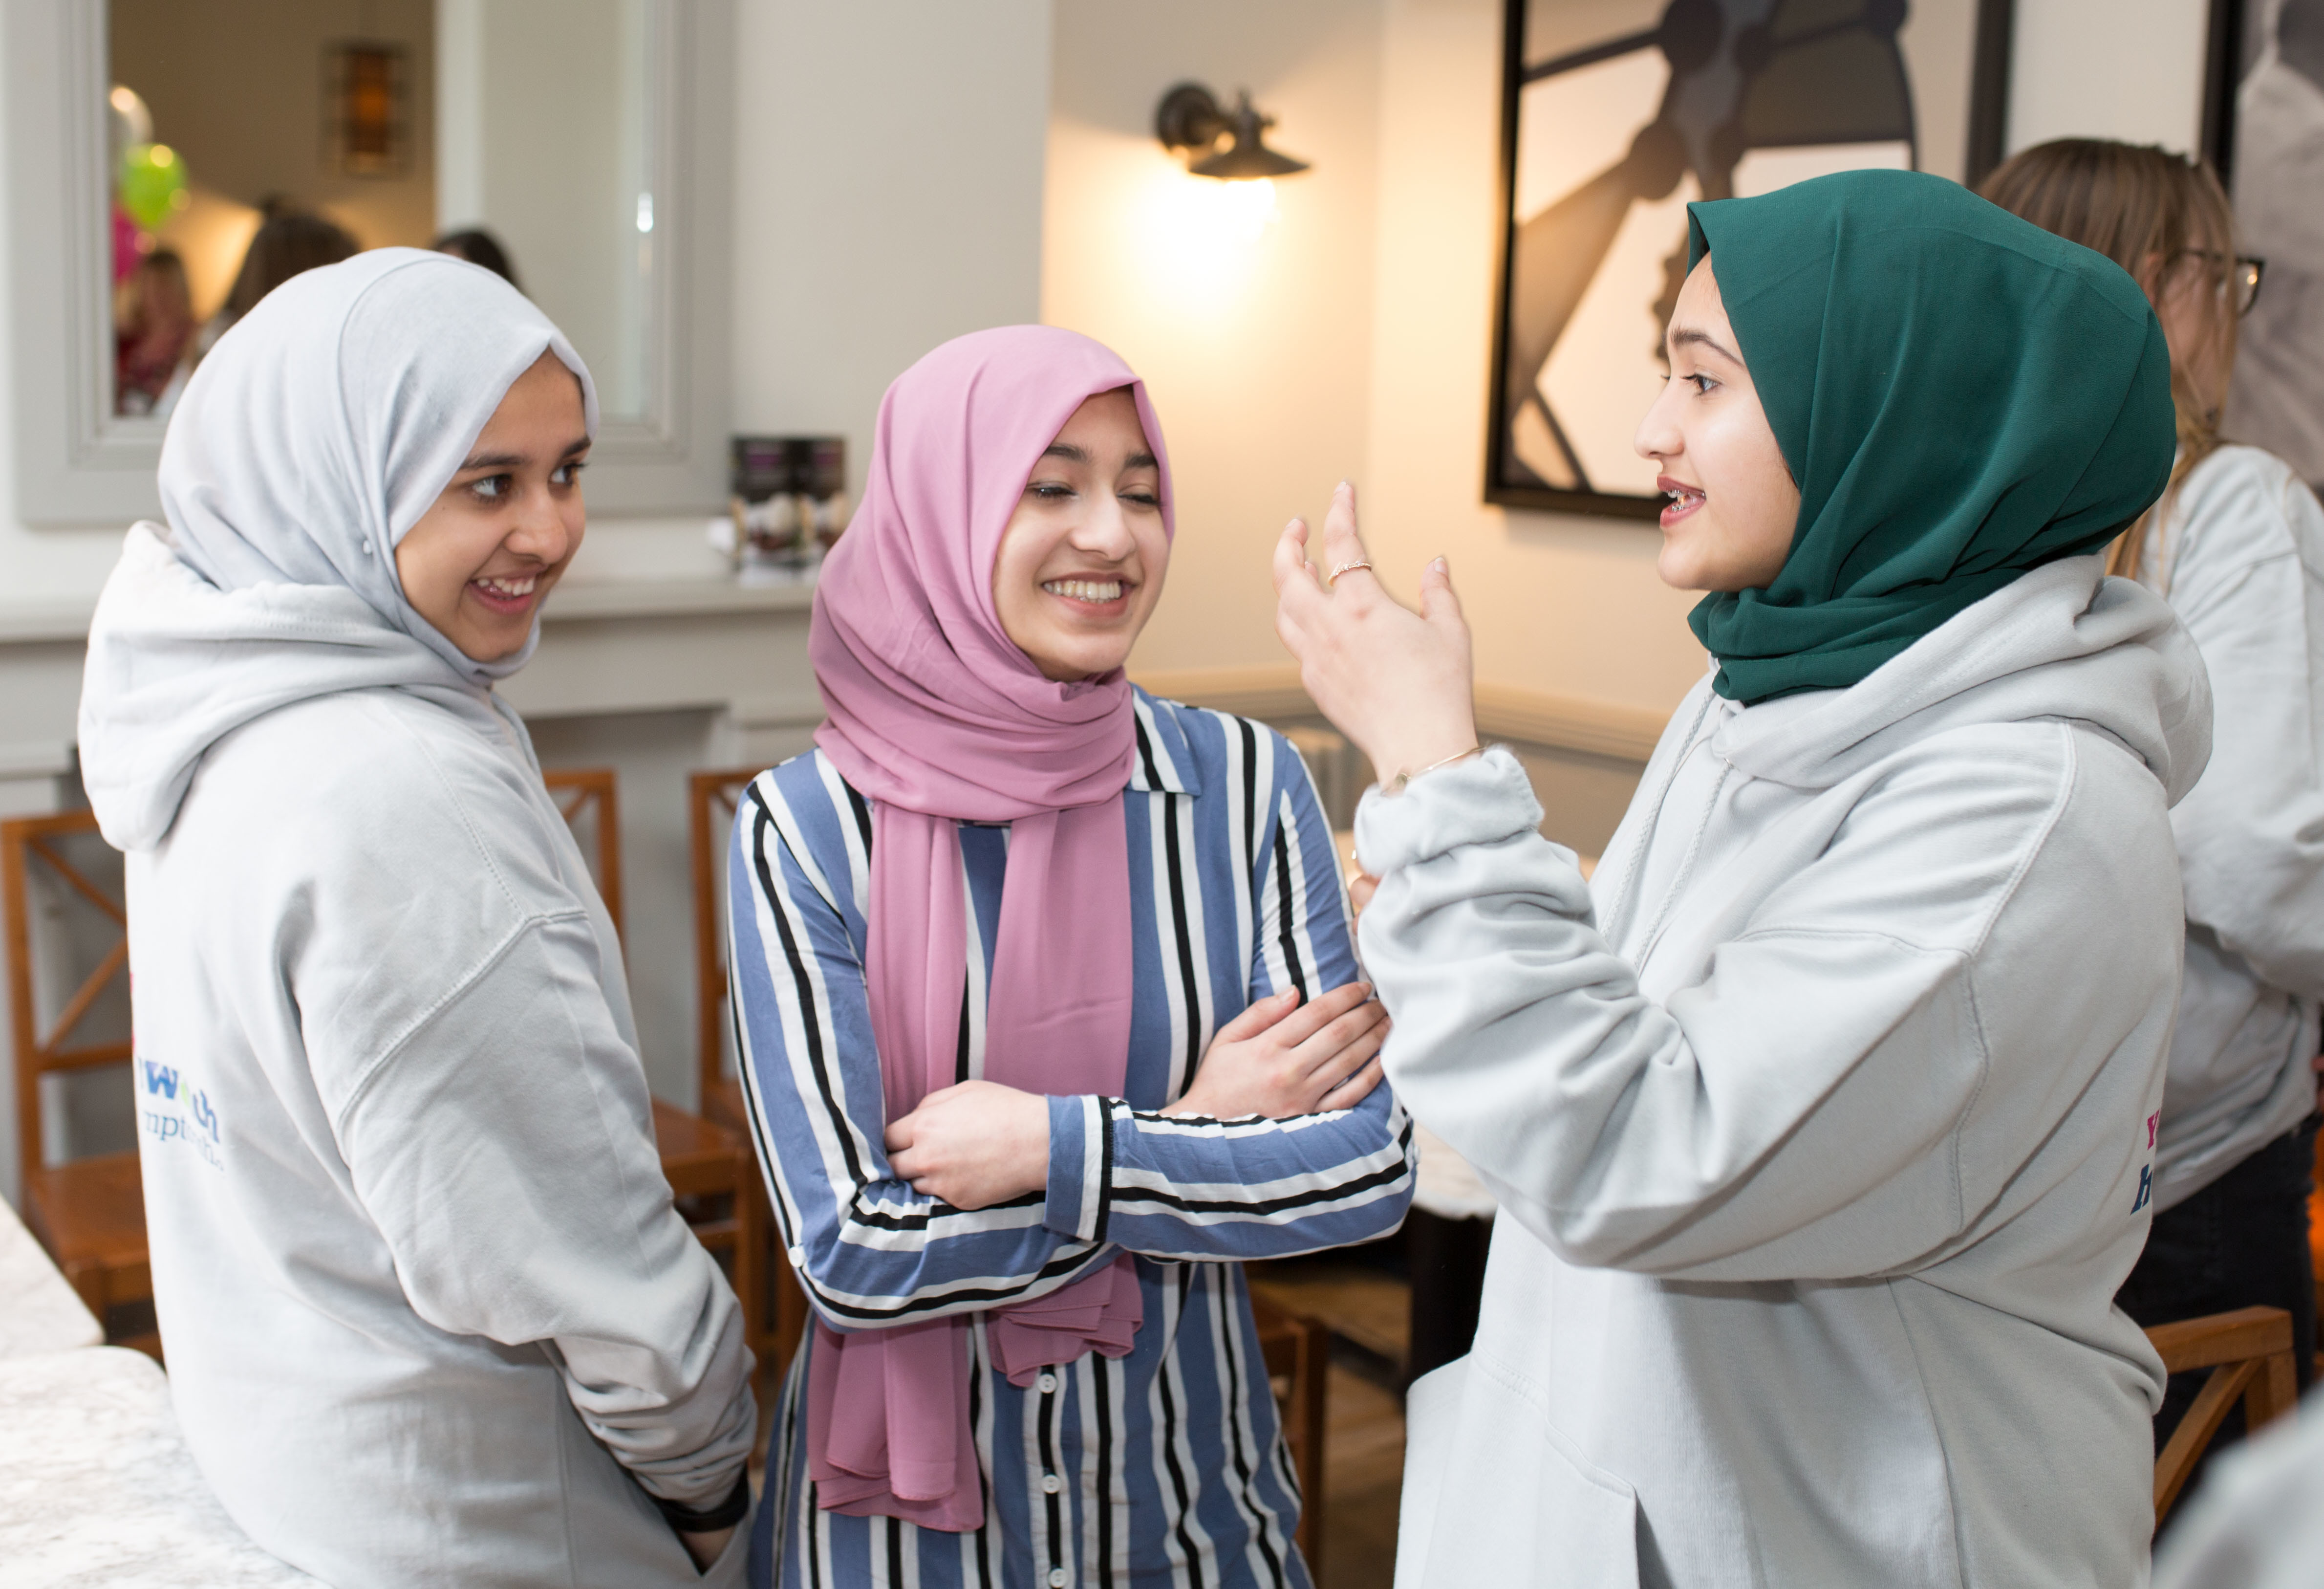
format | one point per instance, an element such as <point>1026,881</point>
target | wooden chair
<point>711,798</point>
<point>1297,1350</point>
<point>89,1213</point>
<point>587,795</point>
<point>710,801</point>
<point>711,1169</point>
<point>2249,1355</point>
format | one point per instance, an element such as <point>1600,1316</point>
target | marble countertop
<point>96,1486</point>
<point>39,1311</point>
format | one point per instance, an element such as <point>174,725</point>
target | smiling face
<point>1081,564</point>
<point>479,562</point>
<point>1733,504</point>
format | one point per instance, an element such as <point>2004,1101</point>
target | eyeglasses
<point>2235,279</point>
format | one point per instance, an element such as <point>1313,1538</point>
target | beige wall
<point>1256,349</point>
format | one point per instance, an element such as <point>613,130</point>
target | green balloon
<point>153,183</point>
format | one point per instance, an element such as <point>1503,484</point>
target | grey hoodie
<point>1822,1121</point>
<point>429,1313</point>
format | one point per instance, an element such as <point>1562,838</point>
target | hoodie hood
<point>175,664</point>
<point>2063,641</point>
<point>313,438</point>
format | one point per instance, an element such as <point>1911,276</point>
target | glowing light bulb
<point>1247,209</point>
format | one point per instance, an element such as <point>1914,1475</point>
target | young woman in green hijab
<point>1823,1119</point>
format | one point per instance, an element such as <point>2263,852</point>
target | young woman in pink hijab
<point>1049,1015</point>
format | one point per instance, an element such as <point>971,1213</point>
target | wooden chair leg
<point>1310,1378</point>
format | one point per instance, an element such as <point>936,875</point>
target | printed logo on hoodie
<point>175,1111</point>
<point>2146,1170</point>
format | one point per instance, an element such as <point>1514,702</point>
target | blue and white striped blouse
<point>1164,1466</point>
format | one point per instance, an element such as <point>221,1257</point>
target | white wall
<point>887,196</point>
<point>2130,70</point>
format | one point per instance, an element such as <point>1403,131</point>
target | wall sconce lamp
<point>1190,122</point>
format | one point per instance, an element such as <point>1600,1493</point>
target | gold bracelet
<point>1403,780</point>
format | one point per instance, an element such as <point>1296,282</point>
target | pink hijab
<point>936,716</point>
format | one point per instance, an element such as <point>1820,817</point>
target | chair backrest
<point>587,798</point>
<point>710,801</point>
<point>2249,1355</point>
<point>34,847</point>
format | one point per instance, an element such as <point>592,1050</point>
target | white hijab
<point>330,419</point>
<point>309,441</point>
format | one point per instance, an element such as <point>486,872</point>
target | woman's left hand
<point>1399,684</point>
<point>974,1145</point>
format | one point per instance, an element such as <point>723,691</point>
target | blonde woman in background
<point>2237,546</point>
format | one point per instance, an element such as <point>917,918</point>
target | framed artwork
<point>1615,114</point>
<point>2263,129</point>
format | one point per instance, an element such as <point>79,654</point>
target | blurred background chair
<point>1298,1351</point>
<point>89,1211</point>
<point>711,798</point>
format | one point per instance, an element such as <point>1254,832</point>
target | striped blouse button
<point>1051,1483</point>
<point>1056,1578</point>
<point>1047,1385</point>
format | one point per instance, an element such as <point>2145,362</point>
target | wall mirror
<point>172,159</point>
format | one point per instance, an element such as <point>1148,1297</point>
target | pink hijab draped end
<point>937,717</point>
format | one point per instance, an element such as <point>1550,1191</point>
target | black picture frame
<point>1510,483</point>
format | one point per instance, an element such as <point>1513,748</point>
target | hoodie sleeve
<point>2251,833</point>
<point>1802,1109</point>
<point>504,1149</point>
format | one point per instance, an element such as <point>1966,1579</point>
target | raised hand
<point>1279,1059</point>
<point>1398,683</point>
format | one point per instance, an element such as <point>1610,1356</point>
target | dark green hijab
<point>1961,395</point>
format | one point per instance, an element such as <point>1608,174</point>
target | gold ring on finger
<point>1344,568</point>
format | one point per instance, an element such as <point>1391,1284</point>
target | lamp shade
<point>1189,119</point>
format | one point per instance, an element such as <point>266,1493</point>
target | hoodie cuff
<point>1476,802</point>
<point>1079,1135</point>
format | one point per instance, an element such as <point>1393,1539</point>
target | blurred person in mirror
<point>289,241</point>
<point>480,247</point>
<point>2236,547</point>
<point>152,330</point>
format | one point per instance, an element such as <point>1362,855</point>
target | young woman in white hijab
<point>430,1314</point>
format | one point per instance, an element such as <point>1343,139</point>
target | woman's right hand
<point>1279,1059</point>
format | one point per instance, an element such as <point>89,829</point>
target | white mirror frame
<point>77,462</point>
